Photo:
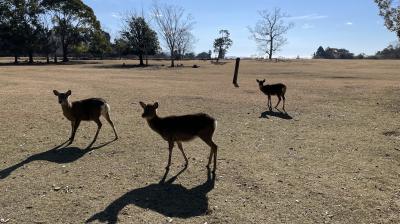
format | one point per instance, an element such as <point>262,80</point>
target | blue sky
<point>350,24</point>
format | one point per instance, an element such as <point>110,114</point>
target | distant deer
<point>275,89</point>
<point>182,129</point>
<point>84,110</point>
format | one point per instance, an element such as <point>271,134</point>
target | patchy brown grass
<point>332,159</point>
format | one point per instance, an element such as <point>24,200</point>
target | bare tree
<point>390,14</point>
<point>185,44</point>
<point>270,30</point>
<point>172,23</point>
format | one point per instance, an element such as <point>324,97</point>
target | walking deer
<point>275,89</point>
<point>182,129</point>
<point>84,110</point>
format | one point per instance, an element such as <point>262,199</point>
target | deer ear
<point>257,80</point>
<point>142,104</point>
<point>56,92</point>
<point>68,93</point>
<point>155,105</point>
<point>264,80</point>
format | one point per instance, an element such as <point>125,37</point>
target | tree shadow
<point>279,114</point>
<point>41,63</point>
<point>55,155</point>
<point>172,200</point>
<point>127,66</point>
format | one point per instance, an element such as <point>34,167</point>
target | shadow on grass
<point>279,114</point>
<point>39,63</point>
<point>127,66</point>
<point>55,155</point>
<point>168,199</point>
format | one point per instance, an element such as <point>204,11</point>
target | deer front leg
<point>170,147</point>
<point>183,153</point>
<point>269,102</point>
<point>99,124</point>
<point>74,126</point>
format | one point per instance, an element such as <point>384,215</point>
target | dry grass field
<point>334,158</point>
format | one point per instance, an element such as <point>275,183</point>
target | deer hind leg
<point>183,153</point>
<point>99,124</point>
<point>106,114</point>
<point>283,97</point>
<point>279,100</point>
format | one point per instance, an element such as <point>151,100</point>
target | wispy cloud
<point>349,23</point>
<point>307,26</point>
<point>313,16</point>
<point>116,15</point>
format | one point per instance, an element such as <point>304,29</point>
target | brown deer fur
<point>181,129</point>
<point>84,110</point>
<point>275,89</point>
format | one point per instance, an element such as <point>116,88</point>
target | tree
<point>184,44</point>
<point>333,53</point>
<point>390,14</point>
<point>203,56</point>
<point>269,31</point>
<point>120,47</point>
<point>73,22</point>
<point>99,43</point>
<point>320,53</point>
<point>172,22</point>
<point>140,37</point>
<point>222,44</point>
<point>390,52</point>
<point>21,27</point>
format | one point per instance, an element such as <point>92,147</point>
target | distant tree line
<point>69,28</point>
<point>50,28</point>
<point>390,52</point>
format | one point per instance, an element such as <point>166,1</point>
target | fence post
<point>235,75</point>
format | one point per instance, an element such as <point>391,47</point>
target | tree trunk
<point>65,53</point>
<point>30,58</point>
<point>47,59</point>
<point>15,59</point>
<point>172,59</point>
<point>141,60</point>
<point>55,58</point>
<point>147,60</point>
<point>271,49</point>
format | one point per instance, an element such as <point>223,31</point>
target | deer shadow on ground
<point>279,114</point>
<point>57,154</point>
<point>166,198</point>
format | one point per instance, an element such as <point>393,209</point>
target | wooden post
<point>235,75</point>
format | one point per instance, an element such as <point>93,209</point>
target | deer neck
<point>154,123</point>
<point>67,110</point>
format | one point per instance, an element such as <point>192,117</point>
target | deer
<point>182,129</point>
<point>278,89</point>
<point>84,110</point>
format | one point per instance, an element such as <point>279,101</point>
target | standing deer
<point>182,129</point>
<point>84,110</point>
<point>275,89</point>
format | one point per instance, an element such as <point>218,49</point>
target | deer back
<point>183,128</point>
<point>88,109</point>
<point>274,89</point>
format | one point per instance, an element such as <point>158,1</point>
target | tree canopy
<point>141,39</point>
<point>222,44</point>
